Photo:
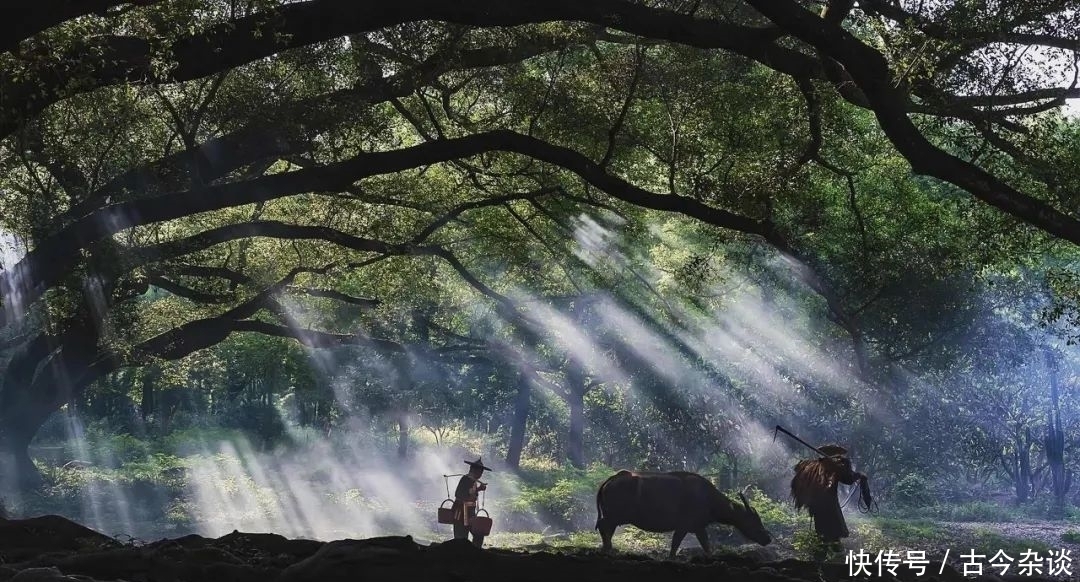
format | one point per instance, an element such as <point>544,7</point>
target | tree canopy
<point>558,195</point>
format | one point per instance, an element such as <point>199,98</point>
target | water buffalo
<point>677,501</point>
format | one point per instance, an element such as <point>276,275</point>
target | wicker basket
<point>480,526</point>
<point>446,514</point>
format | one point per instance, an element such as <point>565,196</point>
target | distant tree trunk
<point>733,475</point>
<point>576,445</point>
<point>862,355</point>
<point>1020,469</point>
<point>146,406</point>
<point>520,422</point>
<point>403,435</point>
<point>1024,482</point>
<point>575,399</point>
<point>1054,444</point>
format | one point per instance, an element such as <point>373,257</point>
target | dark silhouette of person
<point>815,488</point>
<point>465,496</point>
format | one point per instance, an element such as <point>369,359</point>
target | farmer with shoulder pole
<point>815,488</point>
<point>465,497</point>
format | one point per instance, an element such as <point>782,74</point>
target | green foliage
<point>1072,536</point>
<point>970,511</point>
<point>913,490</point>
<point>118,446</point>
<point>1071,513</point>
<point>869,535</point>
<point>808,545</point>
<point>158,468</point>
<point>925,278</point>
<point>989,541</point>
<point>565,494</point>
<point>194,440</point>
<point>561,498</point>
<point>913,533</point>
<point>181,512</point>
<point>776,515</point>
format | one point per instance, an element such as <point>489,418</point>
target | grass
<point>967,512</point>
<point>985,511</point>
<point>918,532</point>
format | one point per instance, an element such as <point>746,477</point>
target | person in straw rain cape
<point>468,489</point>
<point>815,488</point>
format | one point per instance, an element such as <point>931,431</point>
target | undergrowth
<point>549,505</point>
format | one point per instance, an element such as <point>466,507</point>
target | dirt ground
<point>53,549</point>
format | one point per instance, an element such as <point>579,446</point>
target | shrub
<point>869,535</point>
<point>180,512</point>
<point>196,441</point>
<point>566,494</point>
<point>912,491</point>
<point>808,545</point>
<point>916,533</point>
<point>1072,513</point>
<point>775,515</point>
<point>159,469</point>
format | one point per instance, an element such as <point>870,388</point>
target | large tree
<point>244,158</point>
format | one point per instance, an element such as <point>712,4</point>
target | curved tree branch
<point>871,71</point>
<point>36,17</point>
<point>240,41</point>
<point>47,263</point>
<point>187,292</point>
<point>220,155</point>
<point>363,302</point>
<point>111,60</point>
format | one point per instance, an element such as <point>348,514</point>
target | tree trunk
<point>520,422</point>
<point>17,470</point>
<point>858,345</point>
<point>733,475</point>
<point>576,444</point>
<point>28,399</point>
<point>1023,466</point>
<point>1054,444</point>
<point>403,435</point>
<point>575,399</point>
<point>146,406</point>
<point>18,425</point>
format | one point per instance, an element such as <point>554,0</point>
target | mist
<point>700,376</point>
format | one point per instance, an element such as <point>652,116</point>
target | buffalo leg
<point>703,539</point>
<point>607,530</point>
<point>676,541</point>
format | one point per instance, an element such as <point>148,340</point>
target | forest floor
<point>54,549</point>
<point>1050,534</point>
<point>543,525</point>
